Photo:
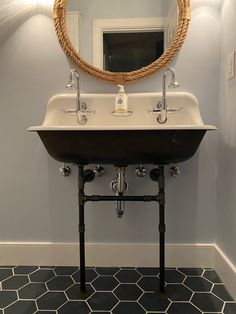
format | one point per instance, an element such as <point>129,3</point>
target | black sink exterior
<point>122,147</point>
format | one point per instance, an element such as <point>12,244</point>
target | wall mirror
<point>124,40</point>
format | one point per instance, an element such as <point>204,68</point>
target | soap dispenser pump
<point>121,100</point>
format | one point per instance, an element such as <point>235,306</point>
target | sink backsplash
<point>140,105</point>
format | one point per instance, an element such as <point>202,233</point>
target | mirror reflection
<point>117,37</point>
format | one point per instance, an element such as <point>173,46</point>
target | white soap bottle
<point>121,105</point>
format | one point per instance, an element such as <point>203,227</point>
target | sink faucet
<point>162,104</point>
<point>74,75</point>
<point>81,108</point>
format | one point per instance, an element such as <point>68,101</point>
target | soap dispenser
<point>121,105</point>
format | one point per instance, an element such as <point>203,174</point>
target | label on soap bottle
<point>121,103</point>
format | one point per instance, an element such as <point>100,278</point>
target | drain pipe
<point>119,185</point>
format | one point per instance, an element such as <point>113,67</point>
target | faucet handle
<point>84,109</point>
<point>82,115</point>
<point>73,112</point>
<point>174,109</point>
<point>160,105</point>
<point>87,112</point>
<point>70,112</point>
<point>159,109</point>
<point>83,106</point>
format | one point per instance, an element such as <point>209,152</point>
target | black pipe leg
<point>84,198</point>
<point>162,227</point>
<point>81,183</point>
<point>162,250</point>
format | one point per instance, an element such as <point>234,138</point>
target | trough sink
<point>122,140</point>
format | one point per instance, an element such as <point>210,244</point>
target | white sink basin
<point>122,140</point>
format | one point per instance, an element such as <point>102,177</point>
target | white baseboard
<point>226,270</point>
<point>121,254</point>
<point>106,254</point>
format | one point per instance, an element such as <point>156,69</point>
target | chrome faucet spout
<point>173,84</point>
<point>162,104</point>
<point>74,83</point>
<point>80,109</point>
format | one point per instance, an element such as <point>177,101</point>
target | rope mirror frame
<point>59,18</point>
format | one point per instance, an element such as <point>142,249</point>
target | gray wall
<point>226,181</point>
<point>37,204</point>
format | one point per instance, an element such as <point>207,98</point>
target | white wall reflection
<point>15,12</point>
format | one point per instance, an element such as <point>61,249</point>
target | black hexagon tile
<point>24,270</point>
<point>153,302</point>
<point>128,292</point>
<point>212,276</point>
<point>6,298</point>
<point>148,271</point>
<point>26,307</point>
<point>90,275</point>
<point>42,275</point>
<point>102,301</point>
<point>128,308</point>
<point>107,271</point>
<point>100,312</point>
<point>65,270</point>
<point>222,293</point>
<point>51,301</point>
<point>230,308</point>
<point>5,273</point>
<point>105,283</point>
<point>73,293</point>
<point>150,284</point>
<point>45,312</point>
<point>178,292</point>
<point>15,282</point>
<point>207,302</point>
<point>72,307</point>
<point>192,271</point>
<point>60,283</point>
<point>128,276</point>
<point>198,284</point>
<point>32,291</point>
<point>174,276</point>
<point>183,308</point>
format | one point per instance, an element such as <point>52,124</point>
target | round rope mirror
<point>123,78</point>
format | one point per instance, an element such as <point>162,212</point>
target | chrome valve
<point>65,170</point>
<point>114,186</point>
<point>99,171</point>
<point>141,171</point>
<point>174,171</point>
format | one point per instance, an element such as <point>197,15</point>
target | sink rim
<point>121,128</point>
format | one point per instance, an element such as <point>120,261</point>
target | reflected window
<point>126,52</point>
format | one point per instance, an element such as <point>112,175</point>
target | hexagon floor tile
<point>114,290</point>
<point>128,292</point>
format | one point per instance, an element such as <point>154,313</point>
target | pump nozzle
<point>122,89</point>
